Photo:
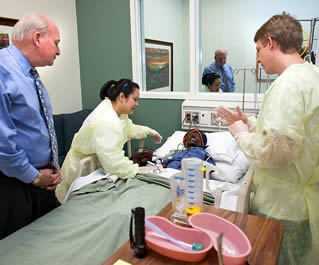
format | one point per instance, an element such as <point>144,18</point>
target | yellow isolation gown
<point>102,134</point>
<point>283,145</point>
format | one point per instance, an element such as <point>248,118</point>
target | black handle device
<point>139,244</point>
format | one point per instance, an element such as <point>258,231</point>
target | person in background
<point>283,142</point>
<point>104,133</point>
<point>195,144</point>
<point>224,70</point>
<point>212,81</point>
<point>28,175</point>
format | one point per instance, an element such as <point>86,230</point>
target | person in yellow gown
<point>283,142</point>
<point>104,133</point>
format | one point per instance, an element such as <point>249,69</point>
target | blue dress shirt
<point>196,151</point>
<point>215,68</point>
<point>24,137</point>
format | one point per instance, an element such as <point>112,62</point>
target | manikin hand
<point>157,138</point>
<point>238,128</point>
<point>228,117</point>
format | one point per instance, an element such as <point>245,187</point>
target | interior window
<point>236,36</point>
<point>165,45</point>
<point>174,40</point>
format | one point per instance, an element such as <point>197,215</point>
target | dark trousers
<point>21,204</point>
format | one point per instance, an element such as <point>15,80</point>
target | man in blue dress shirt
<point>225,71</point>
<point>28,176</point>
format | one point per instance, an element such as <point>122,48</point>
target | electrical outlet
<point>213,118</point>
<point>187,117</point>
<point>203,118</point>
<point>195,117</point>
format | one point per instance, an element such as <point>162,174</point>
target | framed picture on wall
<point>6,25</point>
<point>159,65</point>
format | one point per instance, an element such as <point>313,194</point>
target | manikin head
<point>193,138</point>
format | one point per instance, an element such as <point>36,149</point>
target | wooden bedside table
<point>265,236</point>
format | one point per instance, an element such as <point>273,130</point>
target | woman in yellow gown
<point>104,133</point>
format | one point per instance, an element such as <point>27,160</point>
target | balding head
<point>37,38</point>
<point>221,56</point>
<point>28,24</point>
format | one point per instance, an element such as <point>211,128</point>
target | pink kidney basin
<point>236,245</point>
<point>187,235</point>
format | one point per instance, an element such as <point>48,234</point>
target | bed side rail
<point>243,202</point>
<point>86,166</point>
<point>90,163</point>
<point>140,147</point>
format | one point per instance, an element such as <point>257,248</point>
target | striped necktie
<point>53,140</point>
<point>226,86</point>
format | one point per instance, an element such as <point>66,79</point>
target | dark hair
<point>209,79</point>
<point>284,29</point>
<point>112,89</point>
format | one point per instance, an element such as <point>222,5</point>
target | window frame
<point>137,35</point>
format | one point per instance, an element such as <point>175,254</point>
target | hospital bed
<point>94,222</point>
<point>231,183</point>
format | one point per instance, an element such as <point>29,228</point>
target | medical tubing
<point>183,120</point>
<point>172,152</point>
<point>158,230</point>
<point>191,123</point>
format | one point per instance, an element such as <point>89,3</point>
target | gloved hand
<point>146,169</point>
<point>157,138</point>
<point>228,117</point>
<point>238,128</point>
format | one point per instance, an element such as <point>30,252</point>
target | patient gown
<point>103,134</point>
<point>283,145</point>
<point>196,151</point>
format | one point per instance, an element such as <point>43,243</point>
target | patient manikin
<point>195,144</point>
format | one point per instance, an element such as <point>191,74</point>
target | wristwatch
<point>37,179</point>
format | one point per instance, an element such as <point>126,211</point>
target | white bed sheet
<point>229,195</point>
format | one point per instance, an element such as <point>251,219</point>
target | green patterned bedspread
<point>90,227</point>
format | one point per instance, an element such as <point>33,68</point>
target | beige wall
<point>62,80</point>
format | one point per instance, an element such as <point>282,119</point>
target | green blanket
<point>90,227</point>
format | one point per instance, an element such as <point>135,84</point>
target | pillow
<point>172,143</point>
<point>222,146</point>
<point>231,172</point>
<point>231,162</point>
